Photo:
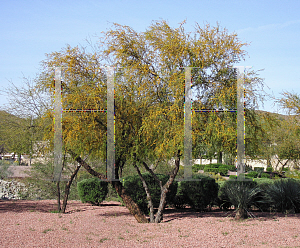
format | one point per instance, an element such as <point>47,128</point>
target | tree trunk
<point>220,159</point>
<point>130,204</point>
<point>67,189</point>
<point>241,214</point>
<point>150,203</point>
<point>58,197</point>
<point>165,189</point>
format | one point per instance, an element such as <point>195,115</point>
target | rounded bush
<point>252,174</point>
<point>269,169</point>
<point>92,190</point>
<point>265,175</point>
<point>134,187</point>
<point>199,194</point>
<point>223,170</point>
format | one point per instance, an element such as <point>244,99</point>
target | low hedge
<point>134,187</point>
<point>252,174</point>
<point>199,194</point>
<point>92,190</point>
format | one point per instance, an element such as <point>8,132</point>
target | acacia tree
<point>149,95</point>
<point>157,55</point>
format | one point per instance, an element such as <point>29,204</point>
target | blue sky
<point>31,28</point>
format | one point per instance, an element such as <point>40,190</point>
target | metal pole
<point>188,126</point>
<point>240,162</point>
<point>57,126</point>
<point>110,125</point>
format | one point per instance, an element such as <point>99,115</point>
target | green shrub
<point>269,169</point>
<point>284,194</point>
<point>197,167</point>
<point>241,194</point>
<point>248,168</point>
<point>265,175</point>
<point>232,177</point>
<point>92,190</point>
<point>292,174</point>
<point>212,168</point>
<point>223,170</point>
<point>217,165</point>
<point>217,177</point>
<point>199,194</point>
<point>242,175</point>
<point>260,202</point>
<point>252,174</point>
<point>231,167</point>
<point>259,170</point>
<point>134,187</point>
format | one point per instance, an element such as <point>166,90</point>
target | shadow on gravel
<point>173,214</point>
<point>46,206</point>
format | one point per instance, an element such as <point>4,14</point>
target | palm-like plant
<point>284,195</point>
<point>241,194</point>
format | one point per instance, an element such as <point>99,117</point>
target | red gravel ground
<point>31,224</point>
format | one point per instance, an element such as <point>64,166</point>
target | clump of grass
<point>102,240</point>
<point>54,211</point>
<point>47,230</point>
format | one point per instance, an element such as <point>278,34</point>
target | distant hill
<point>278,116</point>
<point>9,125</point>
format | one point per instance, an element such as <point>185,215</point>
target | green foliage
<point>265,175</point>
<point>270,169</point>
<point>284,194</point>
<point>92,190</point>
<point>258,169</point>
<point>39,184</point>
<point>134,187</point>
<point>199,194</point>
<point>252,174</point>
<point>263,181</point>
<point>293,174</point>
<point>232,177</point>
<point>215,176</point>
<point>4,172</point>
<point>260,202</point>
<point>248,168</point>
<point>241,194</point>
<point>231,167</point>
<point>223,169</point>
<point>212,168</point>
<point>197,167</point>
